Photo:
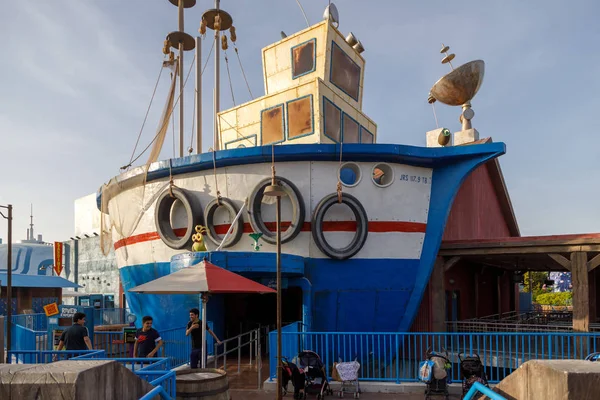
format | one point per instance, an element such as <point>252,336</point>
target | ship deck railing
<point>395,357</point>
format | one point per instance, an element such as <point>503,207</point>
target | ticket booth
<point>97,300</point>
<point>58,323</point>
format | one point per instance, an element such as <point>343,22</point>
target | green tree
<point>533,282</point>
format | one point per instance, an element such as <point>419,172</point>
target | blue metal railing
<point>478,387</point>
<point>48,356</point>
<point>289,348</point>
<point>35,322</point>
<point>395,357</point>
<point>27,339</point>
<point>177,346</point>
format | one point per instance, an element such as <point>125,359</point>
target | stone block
<point>552,380</point>
<point>71,380</point>
<point>466,136</point>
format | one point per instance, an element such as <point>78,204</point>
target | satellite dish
<point>461,85</point>
<point>331,12</point>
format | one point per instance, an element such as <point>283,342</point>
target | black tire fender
<point>209,215</point>
<point>362,226</point>
<point>255,214</point>
<point>162,217</point>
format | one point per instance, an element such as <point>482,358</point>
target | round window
<point>383,175</point>
<point>350,174</point>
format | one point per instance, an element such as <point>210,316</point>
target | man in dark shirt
<point>147,340</point>
<point>194,328</point>
<point>76,336</point>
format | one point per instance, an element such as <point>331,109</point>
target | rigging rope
<point>166,121</point>
<point>145,118</point>
<point>243,72</point>
<point>173,126</point>
<point>229,76</point>
<point>339,183</point>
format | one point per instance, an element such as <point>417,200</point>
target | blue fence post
<point>397,360</point>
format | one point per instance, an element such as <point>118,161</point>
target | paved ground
<point>240,394</point>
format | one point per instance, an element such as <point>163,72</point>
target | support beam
<point>438,297</point>
<point>593,263</point>
<point>451,263</point>
<point>561,260</point>
<point>581,304</point>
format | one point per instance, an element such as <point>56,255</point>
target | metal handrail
<point>254,343</point>
<point>478,387</point>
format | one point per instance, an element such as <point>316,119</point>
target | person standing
<point>76,337</point>
<point>194,328</point>
<point>147,340</point>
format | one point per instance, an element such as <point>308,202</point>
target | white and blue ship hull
<point>377,289</point>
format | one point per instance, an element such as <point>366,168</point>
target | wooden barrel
<point>202,384</point>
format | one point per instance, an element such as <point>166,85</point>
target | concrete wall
<point>87,216</point>
<point>90,268</point>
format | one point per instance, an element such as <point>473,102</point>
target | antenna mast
<point>31,225</point>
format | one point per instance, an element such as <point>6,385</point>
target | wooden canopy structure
<point>578,254</point>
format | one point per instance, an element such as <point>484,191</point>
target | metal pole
<point>259,359</point>
<point>198,96</point>
<point>217,84</point>
<point>9,283</point>
<point>279,387</point>
<point>203,364</point>
<point>180,20</point>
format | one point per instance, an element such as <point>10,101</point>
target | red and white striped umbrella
<point>204,277</point>
<point>201,278</point>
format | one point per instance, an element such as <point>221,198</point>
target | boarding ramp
<point>71,380</point>
<point>552,380</point>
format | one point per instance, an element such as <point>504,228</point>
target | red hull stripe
<point>328,226</point>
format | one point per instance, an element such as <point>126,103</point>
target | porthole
<point>382,175</point>
<point>350,174</point>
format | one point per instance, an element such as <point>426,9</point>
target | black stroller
<point>471,371</point>
<point>438,384</point>
<point>312,369</point>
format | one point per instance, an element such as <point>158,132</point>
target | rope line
<point>229,76</point>
<point>243,72</point>
<point>145,118</point>
<point>166,120</point>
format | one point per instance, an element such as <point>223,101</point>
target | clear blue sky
<point>76,78</point>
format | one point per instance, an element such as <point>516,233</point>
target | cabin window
<point>351,130</point>
<point>365,136</point>
<point>350,174</point>
<point>383,175</point>
<point>300,117</point>
<point>271,125</point>
<point>303,58</point>
<point>345,73</point>
<point>333,120</point>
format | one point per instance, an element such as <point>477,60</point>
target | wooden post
<point>592,295</point>
<point>438,297</point>
<point>581,303</point>
<point>476,276</point>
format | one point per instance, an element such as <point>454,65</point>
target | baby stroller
<point>315,377</point>
<point>471,371</point>
<point>435,373</point>
<point>291,373</point>
<point>347,373</point>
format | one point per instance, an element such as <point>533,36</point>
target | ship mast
<point>183,42</point>
<point>219,21</point>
